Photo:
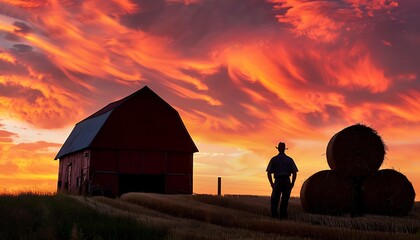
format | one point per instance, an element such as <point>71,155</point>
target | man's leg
<point>285,196</point>
<point>275,198</point>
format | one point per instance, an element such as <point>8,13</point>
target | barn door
<point>141,183</point>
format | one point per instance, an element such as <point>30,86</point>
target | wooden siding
<point>73,170</point>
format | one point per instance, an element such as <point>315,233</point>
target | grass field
<point>154,216</point>
<point>32,216</point>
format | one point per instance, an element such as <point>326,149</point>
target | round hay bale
<point>388,192</point>
<point>327,192</point>
<point>357,150</point>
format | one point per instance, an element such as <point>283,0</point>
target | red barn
<point>136,144</point>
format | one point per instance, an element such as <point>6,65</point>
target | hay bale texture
<point>327,192</point>
<point>357,150</point>
<point>388,192</point>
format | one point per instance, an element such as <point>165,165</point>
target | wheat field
<point>247,217</point>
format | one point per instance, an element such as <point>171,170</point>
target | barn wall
<point>142,162</point>
<point>104,172</point>
<point>180,163</point>
<point>179,178</point>
<point>104,160</point>
<point>130,162</point>
<point>178,184</point>
<point>153,162</point>
<point>73,172</point>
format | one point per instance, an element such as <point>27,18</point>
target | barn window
<point>69,174</point>
<point>78,182</point>
<point>84,174</point>
<point>82,178</point>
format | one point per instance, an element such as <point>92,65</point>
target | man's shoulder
<point>288,159</point>
<point>281,157</point>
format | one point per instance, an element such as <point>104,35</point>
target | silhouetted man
<point>282,166</point>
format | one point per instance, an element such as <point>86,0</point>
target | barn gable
<point>144,121</point>
<point>130,123</point>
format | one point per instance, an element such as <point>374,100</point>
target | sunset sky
<point>243,74</point>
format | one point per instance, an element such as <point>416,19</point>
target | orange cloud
<point>35,102</point>
<point>6,136</point>
<point>28,166</point>
<point>7,57</point>
<point>27,3</point>
<point>370,7</point>
<point>329,21</point>
<point>351,68</point>
<point>309,19</point>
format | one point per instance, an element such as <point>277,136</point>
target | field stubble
<point>247,217</point>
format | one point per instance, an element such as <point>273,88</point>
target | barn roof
<point>85,132</point>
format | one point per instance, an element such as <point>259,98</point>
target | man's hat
<point>282,145</point>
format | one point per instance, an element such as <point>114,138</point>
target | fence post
<point>219,186</point>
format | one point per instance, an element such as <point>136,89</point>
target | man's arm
<point>270,179</point>
<point>294,175</point>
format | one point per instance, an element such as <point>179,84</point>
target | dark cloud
<point>21,48</point>
<point>149,13</point>
<point>329,115</point>
<point>22,28</point>
<point>12,37</point>
<point>196,24</point>
<point>29,60</point>
<point>400,60</point>
<point>13,12</point>
<point>18,91</point>
<point>314,118</point>
<point>36,91</point>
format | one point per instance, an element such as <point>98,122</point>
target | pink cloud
<point>6,136</point>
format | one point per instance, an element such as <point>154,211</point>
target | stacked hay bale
<point>354,184</point>
<point>388,192</point>
<point>327,192</point>
<point>357,151</point>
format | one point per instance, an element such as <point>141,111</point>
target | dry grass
<point>47,216</point>
<point>260,206</point>
<point>247,217</point>
<point>177,227</point>
<point>186,217</point>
